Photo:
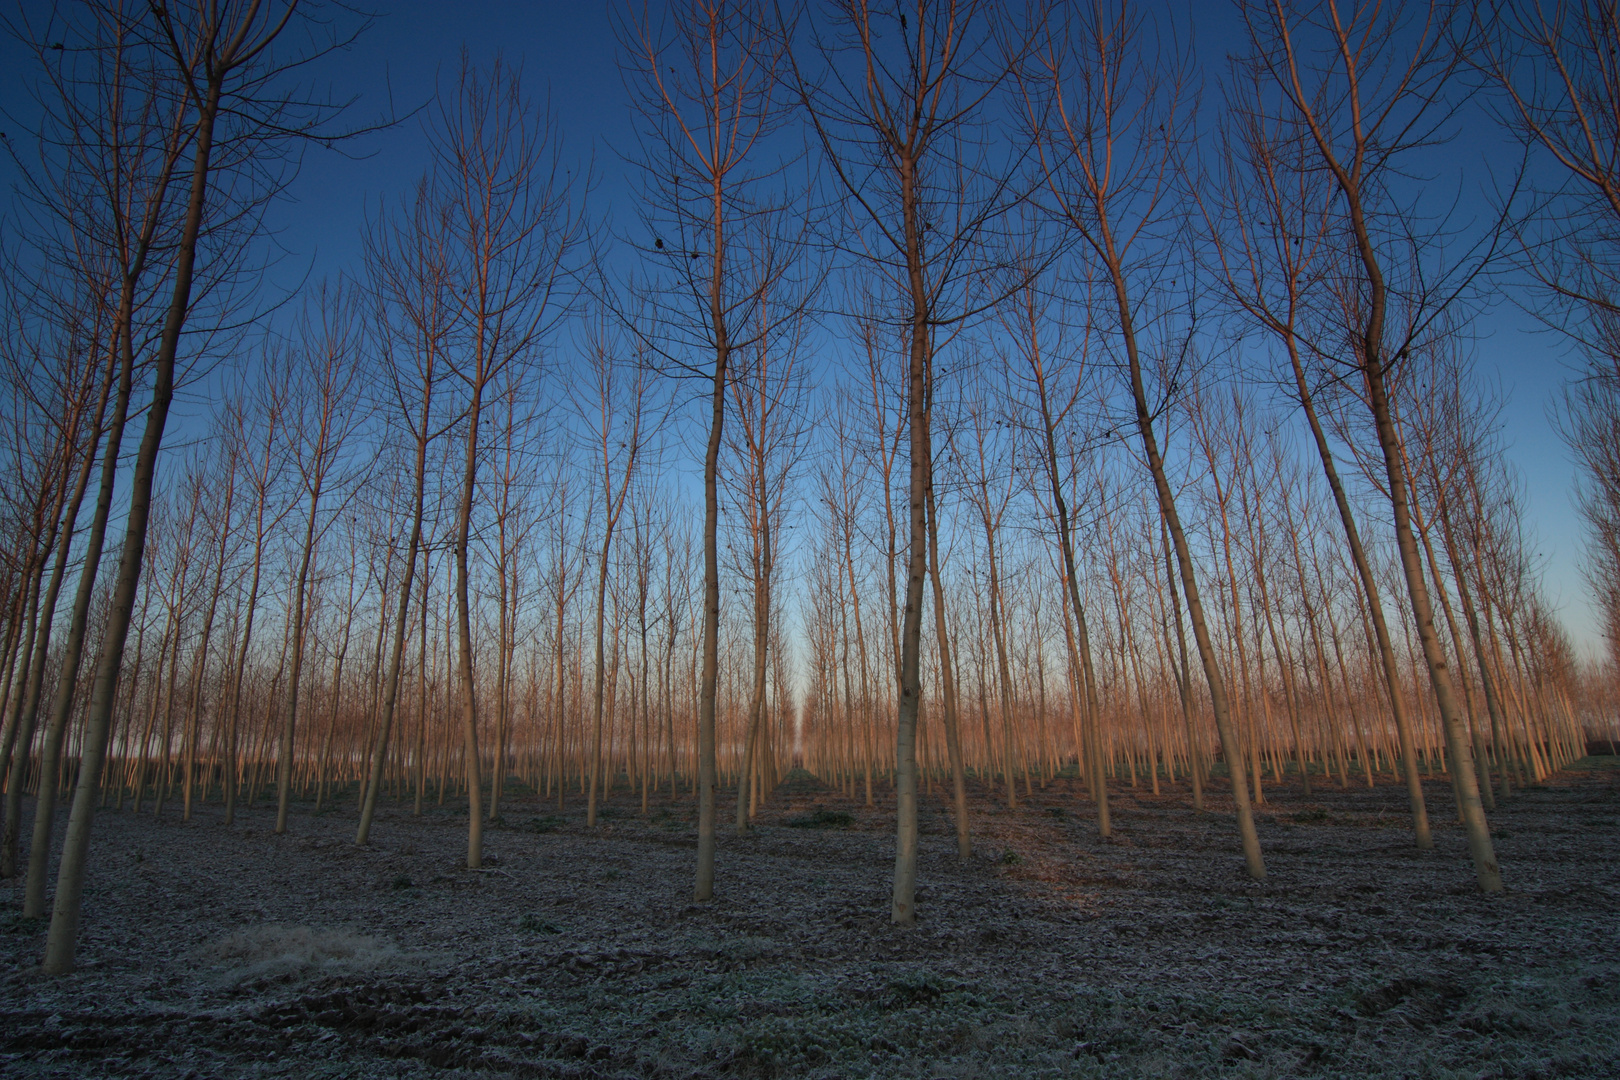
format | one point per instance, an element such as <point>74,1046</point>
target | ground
<point>213,952</point>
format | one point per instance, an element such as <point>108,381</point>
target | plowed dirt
<point>213,952</point>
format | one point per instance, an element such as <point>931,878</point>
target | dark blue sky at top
<point>569,56</point>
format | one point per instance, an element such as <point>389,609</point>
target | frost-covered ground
<point>210,952</point>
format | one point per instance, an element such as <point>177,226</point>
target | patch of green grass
<point>549,823</point>
<point>1317,814</point>
<point>12,922</point>
<point>916,987</point>
<point>536,925</point>
<point>1009,857</point>
<point>403,881</point>
<point>822,819</point>
<point>669,819</point>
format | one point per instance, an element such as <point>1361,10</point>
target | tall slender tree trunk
<point>1375,603</point>
<point>11,659</point>
<point>62,938</point>
<point>903,909</point>
<point>464,655</point>
<point>1492,700</point>
<point>194,709</point>
<point>1080,642</point>
<point>1189,582</point>
<point>68,677</point>
<point>233,716</point>
<point>947,676</point>
<point>396,654</point>
<point>1183,671</point>
<point>1457,749</point>
<point>748,787</point>
<point>289,718</point>
<point>595,764</point>
<point>35,651</point>
<point>708,684</point>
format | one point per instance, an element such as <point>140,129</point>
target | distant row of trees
<point>1055,411</point>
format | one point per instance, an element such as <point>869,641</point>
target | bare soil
<point>213,952</point>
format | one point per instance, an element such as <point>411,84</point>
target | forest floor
<point>211,952</point>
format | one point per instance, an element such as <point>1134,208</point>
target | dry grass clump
<point>276,950</point>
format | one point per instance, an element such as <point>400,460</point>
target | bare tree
<point>1272,242</point>
<point>990,478</point>
<point>619,428</point>
<point>323,370</point>
<point>844,485</point>
<point>220,62</point>
<point>1055,369</point>
<point>1111,115</point>
<point>261,464</point>
<point>413,315</point>
<point>513,234</point>
<point>768,388</point>
<point>902,108</point>
<point>705,126</point>
<point>1371,87</point>
<point>71,409</point>
<point>112,136</point>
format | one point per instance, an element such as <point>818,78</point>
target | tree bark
<point>62,938</point>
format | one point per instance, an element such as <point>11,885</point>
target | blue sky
<point>567,51</point>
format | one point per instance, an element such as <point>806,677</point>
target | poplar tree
<point>218,58</point>
<point>1110,114</point>
<point>1371,87</point>
<point>705,82</point>
<point>902,107</point>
